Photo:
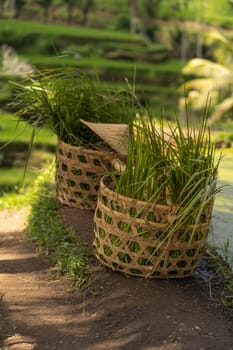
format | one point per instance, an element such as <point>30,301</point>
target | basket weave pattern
<point>136,245</point>
<point>78,174</point>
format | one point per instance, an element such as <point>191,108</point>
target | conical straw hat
<point>115,135</point>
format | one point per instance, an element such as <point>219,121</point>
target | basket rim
<point>105,187</point>
<point>87,150</point>
<point>170,208</point>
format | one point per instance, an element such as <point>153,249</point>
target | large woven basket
<point>130,237</point>
<point>78,174</point>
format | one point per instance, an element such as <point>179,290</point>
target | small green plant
<point>173,166</point>
<point>55,240</point>
<point>168,161</point>
<point>59,98</point>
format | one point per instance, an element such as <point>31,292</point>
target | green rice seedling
<point>174,166</point>
<point>59,98</point>
<point>145,175</point>
<point>193,159</point>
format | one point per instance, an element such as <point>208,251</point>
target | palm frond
<point>222,48</point>
<point>207,84</point>
<point>204,68</point>
<point>221,109</point>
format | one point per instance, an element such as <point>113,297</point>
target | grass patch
<point>14,145</point>
<point>13,130</point>
<point>14,200</point>
<point>56,241</point>
<point>12,179</point>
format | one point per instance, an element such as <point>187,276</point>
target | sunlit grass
<point>60,243</point>
<point>13,200</point>
<point>18,136</point>
<point>15,177</point>
<point>13,130</point>
<point>18,179</point>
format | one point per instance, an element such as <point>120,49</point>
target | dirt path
<point>113,312</point>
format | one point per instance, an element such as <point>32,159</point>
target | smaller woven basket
<point>130,237</point>
<point>78,174</point>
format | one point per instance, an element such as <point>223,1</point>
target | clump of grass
<point>60,98</point>
<point>143,178</point>
<point>173,161</point>
<point>46,229</point>
<point>14,200</point>
<point>174,166</point>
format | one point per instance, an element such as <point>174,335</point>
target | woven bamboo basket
<point>130,237</point>
<point>78,174</point>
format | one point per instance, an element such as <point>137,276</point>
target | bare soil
<point>37,311</point>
